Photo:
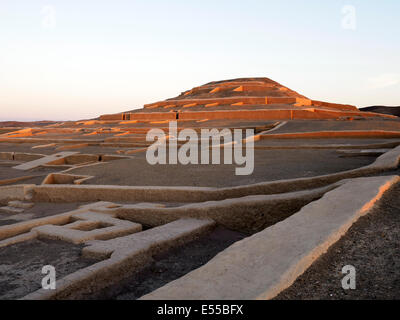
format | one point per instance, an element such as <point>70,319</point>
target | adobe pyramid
<point>243,98</point>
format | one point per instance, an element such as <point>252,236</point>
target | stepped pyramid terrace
<point>82,196</point>
<point>245,99</point>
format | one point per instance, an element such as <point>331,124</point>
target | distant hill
<point>395,111</point>
<point>21,124</point>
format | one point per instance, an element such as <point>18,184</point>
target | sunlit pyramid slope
<point>243,98</point>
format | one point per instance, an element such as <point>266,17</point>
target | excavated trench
<point>172,265</point>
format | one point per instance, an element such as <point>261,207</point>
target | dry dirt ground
<point>21,265</point>
<point>39,210</point>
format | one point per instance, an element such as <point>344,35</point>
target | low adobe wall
<point>248,214</point>
<point>280,100</point>
<point>345,107</point>
<point>153,116</point>
<point>7,156</point>
<point>221,101</point>
<point>273,114</point>
<point>118,116</point>
<point>333,134</point>
<point>20,156</point>
<point>330,114</point>
<point>251,87</point>
<point>17,192</point>
<point>237,114</point>
<point>231,100</point>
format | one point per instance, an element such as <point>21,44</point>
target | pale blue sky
<point>78,59</point>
